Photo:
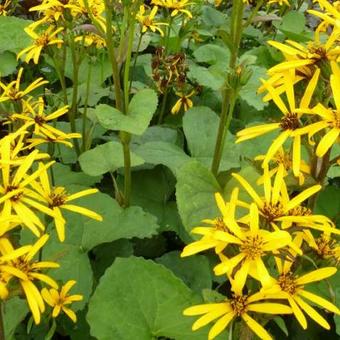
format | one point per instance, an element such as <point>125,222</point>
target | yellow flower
<point>184,101</point>
<point>252,244</point>
<point>12,90</point>
<point>292,288</point>
<point>37,117</point>
<point>277,207</point>
<point>332,15</point>
<point>147,21</point>
<point>330,118</point>
<point>3,8</point>
<point>285,159</point>
<point>53,10</point>
<point>210,234</point>
<point>92,39</point>
<point>17,145</point>
<point>176,6</point>
<point>299,56</point>
<point>29,270</point>
<point>57,199</point>
<point>41,41</point>
<point>59,300</point>
<point>16,196</point>
<point>7,271</point>
<point>238,306</point>
<point>324,246</point>
<point>290,123</point>
<point>42,139</point>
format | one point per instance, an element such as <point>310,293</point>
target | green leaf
<point>200,125</point>
<point>117,222</point>
<point>249,91</point>
<point>104,158</point>
<point>163,153</point>
<point>13,38</point>
<point>195,191</point>
<point>63,175</point>
<point>206,77</point>
<point>8,63</point>
<point>194,270</point>
<point>294,22</point>
<point>141,109</point>
<point>328,202</point>
<point>212,54</point>
<point>14,312</point>
<point>139,299</point>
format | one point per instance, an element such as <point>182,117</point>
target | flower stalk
<point>229,94</point>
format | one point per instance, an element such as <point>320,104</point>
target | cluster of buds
<point>169,71</point>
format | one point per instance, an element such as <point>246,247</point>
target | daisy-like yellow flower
<point>184,100</point>
<point>147,21</point>
<point>285,159</point>
<point>329,118</point>
<point>331,13</point>
<point>175,6</point>
<point>13,92</point>
<point>314,54</point>
<point>4,8</point>
<point>292,288</point>
<point>16,196</point>
<point>42,139</point>
<point>289,124</point>
<point>324,246</point>
<point>239,306</point>
<point>53,10</point>
<point>252,244</point>
<point>279,210</point>
<point>41,41</point>
<point>30,271</point>
<point>17,145</point>
<point>36,116</point>
<point>58,300</point>
<point>210,234</point>
<point>7,271</point>
<point>58,199</point>
<point>91,39</point>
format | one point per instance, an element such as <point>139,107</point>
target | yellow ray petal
<point>256,327</point>
<point>312,313</point>
<point>220,325</point>
<point>316,275</point>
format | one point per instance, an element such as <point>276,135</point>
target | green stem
<point>88,85</point>
<point>229,95</point>
<point>127,67</point>
<point>229,101</point>
<point>74,106</point>
<point>230,335</point>
<point>112,56</point>
<point>2,328</point>
<point>125,140</point>
<point>136,57</point>
<point>60,72</point>
<point>163,106</point>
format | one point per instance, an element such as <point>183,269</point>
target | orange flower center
<point>290,122</point>
<point>252,247</point>
<point>287,283</point>
<point>239,304</point>
<point>272,211</point>
<point>57,197</point>
<point>42,40</point>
